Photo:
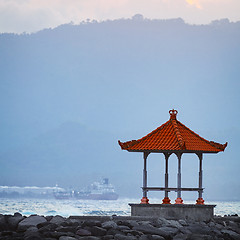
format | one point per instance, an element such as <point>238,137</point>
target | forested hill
<point>104,81</point>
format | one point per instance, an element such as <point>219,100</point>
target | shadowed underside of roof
<point>172,136</point>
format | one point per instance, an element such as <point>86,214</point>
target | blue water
<point>71,207</point>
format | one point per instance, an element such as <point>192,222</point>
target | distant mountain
<point>68,94</point>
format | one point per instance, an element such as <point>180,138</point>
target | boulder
<point>196,236</point>
<point>48,227</point>
<point>65,229</point>
<point>98,231</point>
<point>114,231</point>
<point>183,222</point>
<point>132,232</point>
<point>162,222</point>
<point>169,231</point>
<point>57,220</point>
<point>143,237</point>
<point>175,224</point>
<point>152,230</point>
<point>109,224</point>
<point>132,223</point>
<point>107,237</point>
<point>123,237</point>
<point>83,232</point>
<point>67,238</point>
<point>58,234</point>
<point>122,227</point>
<point>32,233</point>
<point>6,233</point>
<point>231,234</point>
<point>157,237</point>
<point>89,238</point>
<point>14,220</point>
<point>3,223</point>
<point>91,223</point>
<point>33,220</point>
<point>180,236</point>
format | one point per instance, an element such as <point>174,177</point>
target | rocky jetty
<point>37,227</point>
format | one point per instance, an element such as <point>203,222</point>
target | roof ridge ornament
<point>173,114</point>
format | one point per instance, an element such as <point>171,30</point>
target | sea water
<point>73,207</point>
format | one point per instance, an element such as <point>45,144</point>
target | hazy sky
<point>33,15</point>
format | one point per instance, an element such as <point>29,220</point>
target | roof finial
<point>173,113</point>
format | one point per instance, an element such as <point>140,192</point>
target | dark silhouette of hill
<point>118,79</point>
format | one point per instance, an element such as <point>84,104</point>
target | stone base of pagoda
<point>174,211</point>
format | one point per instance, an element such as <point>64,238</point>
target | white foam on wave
<point>91,207</point>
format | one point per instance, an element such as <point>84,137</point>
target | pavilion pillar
<point>166,199</point>
<point>179,199</point>
<point>144,199</point>
<point>200,200</point>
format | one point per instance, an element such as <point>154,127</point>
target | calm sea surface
<point>90,207</point>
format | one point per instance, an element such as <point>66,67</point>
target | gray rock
<point>132,223</point>
<point>174,223</point>
<point>67,238</point>
<point>30,221</point>
<point>89,238</point>
<point>199,237</point>
<point>6,233</point>
<point>91,224</point>
<point>157,237</point>
<point>65,229</point>
<point>123,237</point>
<point>48,227</point>
<point>57,220</point>
<point>109,224</point>
<point>169,231</point>
<point>234,226</point>
<point>3,223</point>
<point>152,231</point>
<point>32,233</point>
<point>143,237</point>
<point>198,229</point>
<point>122,227</point>
<point>132,232</point>
<point>162,222</point>
<point>180,236</point>
<point>231,234</point>
<point>108,237</point>
<point>58,234</point>
<point>98,231</point>
<point>146,223</point>
<point>14,220</point>
<point>33,237</point>
<point>183,222</point>
<point>31,230</point>
<point>83,232</point>
<point>114,231</point>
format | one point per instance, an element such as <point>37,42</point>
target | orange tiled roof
<point>172,136</point>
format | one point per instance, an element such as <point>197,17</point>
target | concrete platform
<point>174,211</point>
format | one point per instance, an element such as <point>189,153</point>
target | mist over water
<point>68,94</point>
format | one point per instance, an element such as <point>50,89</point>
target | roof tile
<point>173,136</point>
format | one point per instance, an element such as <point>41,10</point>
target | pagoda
<point>172,137</point>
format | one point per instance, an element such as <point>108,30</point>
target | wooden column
<point>144,199</point>
<point>166,199</point>
<point>179,199</point>
<point>200,199</point>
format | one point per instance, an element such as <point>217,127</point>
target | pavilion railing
<point>169,189</point>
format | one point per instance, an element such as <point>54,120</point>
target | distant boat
<point>96,191</point>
